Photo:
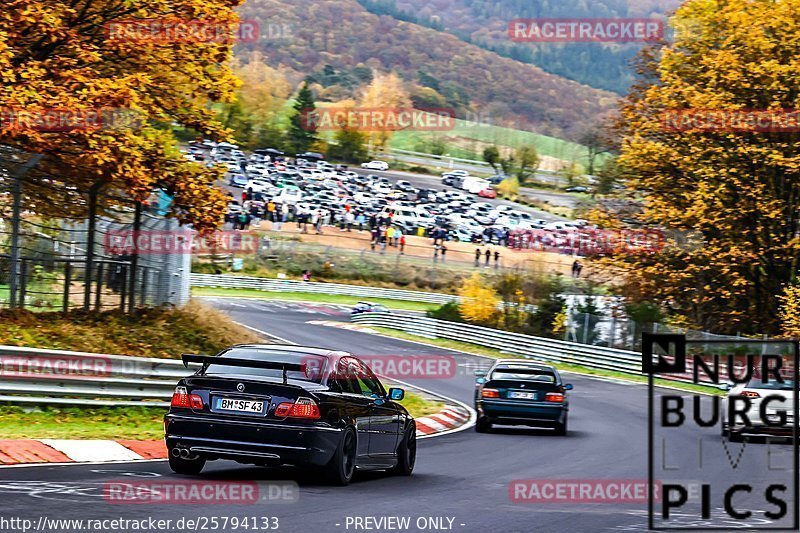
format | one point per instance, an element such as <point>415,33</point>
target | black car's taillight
<point>182,398</point>
<point>305,408</point>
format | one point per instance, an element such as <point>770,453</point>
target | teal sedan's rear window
<point>524,373</point>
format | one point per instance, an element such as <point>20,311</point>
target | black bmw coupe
<point>275,405</point>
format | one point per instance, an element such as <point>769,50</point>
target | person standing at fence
<point>496,259</point>
<point>477,257</point>
<point>435,253</point>
<point>375,235</point>
<point>360,220</point>
<point>306,275</point>
<point>402,244</point>
<point>383,239</point>
<point>576,269</point>
<point>488,256</point>
<point>443,249</point>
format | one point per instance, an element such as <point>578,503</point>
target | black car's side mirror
<point>396,394</point>
<point>568,386</point>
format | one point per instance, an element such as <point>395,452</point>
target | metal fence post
<point>16,218</point>
<point>87,290</point>
<point>137,226</point>
<point>99,292</point>
<point>67,283</point>
<point>23,283</point>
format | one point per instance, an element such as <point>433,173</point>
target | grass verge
<point>160,332</point>
<point>312,297</point>
<point>494,353</point>
<point>136,423</point>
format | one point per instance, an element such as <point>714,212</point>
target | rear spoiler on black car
<point>206,360</point>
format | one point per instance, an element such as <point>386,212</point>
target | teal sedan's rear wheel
<point>561,429</point>
<point>483,425</point>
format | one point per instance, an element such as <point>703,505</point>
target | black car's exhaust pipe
<point>175,452</point>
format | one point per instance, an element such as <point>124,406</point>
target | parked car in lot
<point>236,179</point>
<point>376,165</point>
<point>488,192</point>
<point>274,405</point>
<point>462,173</point>
<point>515,392</point>
<point>368,307</point>
<point>577,188</point>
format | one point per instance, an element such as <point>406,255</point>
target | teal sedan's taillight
<point>555,397</point>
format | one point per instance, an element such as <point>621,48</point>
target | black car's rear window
<point>315,364</point>
<point>526,373</point>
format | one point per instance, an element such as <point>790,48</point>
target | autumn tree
<point>738,187</point>
<point>349,146</point>
<point>492,156</point>
<point>479,301</point>
<point>386,91</point>
<point>527,162</point>
<point>302,131</point>
<point>508,189</point>
<point>77,57</point>
<point>790,311</point>
<point>256,116</point>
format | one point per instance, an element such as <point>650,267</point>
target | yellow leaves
<point>479,300</point>
<point>790,311</point>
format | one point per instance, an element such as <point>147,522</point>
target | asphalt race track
<point>463,477</point>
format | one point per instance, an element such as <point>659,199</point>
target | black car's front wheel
<point>406,453</point>
<point>342,465</point>
<point>188,467</point>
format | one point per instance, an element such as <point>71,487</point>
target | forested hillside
<point>339,43</point>
<point>485,22</point>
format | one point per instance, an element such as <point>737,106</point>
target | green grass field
<point>473,136</point>
<point>312,297</point>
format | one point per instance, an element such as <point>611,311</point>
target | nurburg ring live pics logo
<point>730,429</point>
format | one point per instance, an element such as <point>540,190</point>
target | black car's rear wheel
<point>342,465</point>
<point>406,453</point>
<point>483,425</point>
<point>188,467</point>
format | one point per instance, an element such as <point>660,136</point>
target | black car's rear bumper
<point>252,442</point>
<point>523,413</point>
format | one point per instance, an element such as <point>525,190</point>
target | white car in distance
<point>376,165</point>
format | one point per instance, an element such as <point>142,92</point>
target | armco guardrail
<point>285,285</point>
<point>30,375</point>
<point>551,350</point>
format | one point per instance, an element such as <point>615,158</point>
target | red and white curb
<point>450,418</point>
<point>30,451</point>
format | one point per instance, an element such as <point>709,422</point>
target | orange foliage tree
<point>64,55</point>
